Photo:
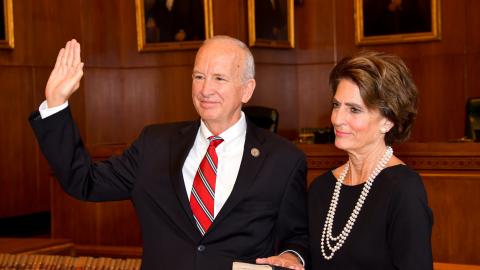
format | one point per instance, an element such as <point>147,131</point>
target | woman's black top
<point>392,231</point>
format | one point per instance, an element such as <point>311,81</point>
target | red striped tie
<point>203,190</point>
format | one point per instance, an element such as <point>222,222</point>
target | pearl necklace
<point>334,243</point>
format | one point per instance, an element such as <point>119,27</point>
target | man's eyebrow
<point>220,74</point>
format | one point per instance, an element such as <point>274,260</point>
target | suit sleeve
<point>292,220</point>
<point>60,142</point>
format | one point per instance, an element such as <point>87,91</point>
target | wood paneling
<point>120,102</point>
<point>52,24</point>
<point>315,31</point>
<point>454,198</point>
<point>41,27</point>
<point>473,75</point>
<point>437,105</point>
<point>21,193</point>
<point>110,223</point>
<point>230,18</point>
<point>275,88</point>
<point>35,246</point>
<point>315,97</point>
<point>472,21</point>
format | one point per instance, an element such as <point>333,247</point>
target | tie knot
<point>215,141</point>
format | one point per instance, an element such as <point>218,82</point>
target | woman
<point>371,212</point>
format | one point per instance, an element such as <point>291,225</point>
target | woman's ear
<point>386,126</point>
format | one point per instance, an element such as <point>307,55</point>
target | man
<point>206,192</point>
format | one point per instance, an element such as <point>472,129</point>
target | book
<point>251,266</point>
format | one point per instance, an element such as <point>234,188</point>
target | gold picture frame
<point>384,22</point>
<point>271,23</point>
<point>6,25</point>
<point>150,33</point>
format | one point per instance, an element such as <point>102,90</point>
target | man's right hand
<point>65,77</point>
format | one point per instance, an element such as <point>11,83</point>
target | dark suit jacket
<point>265,213</point>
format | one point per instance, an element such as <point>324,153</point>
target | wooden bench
<point>450,266</point>
<point>36,246</point>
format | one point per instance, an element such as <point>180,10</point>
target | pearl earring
<point>383,130</point>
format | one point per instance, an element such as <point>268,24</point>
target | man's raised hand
<point>65,77</point>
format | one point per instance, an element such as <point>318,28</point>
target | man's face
<point>217,89</point>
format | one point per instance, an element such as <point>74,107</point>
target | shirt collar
<point>238,129</point>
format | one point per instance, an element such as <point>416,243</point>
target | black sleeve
<point>410,229</point>
<point>60,142</point>
<point>292,227</point>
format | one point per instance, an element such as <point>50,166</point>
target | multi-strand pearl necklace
<point>334,243</point>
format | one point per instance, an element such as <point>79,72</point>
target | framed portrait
<point>172,24</point>
<point>271,23</point>
<point>6,25</point>
<point>396,21</point>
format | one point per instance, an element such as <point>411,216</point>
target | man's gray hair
<point>249,64</point>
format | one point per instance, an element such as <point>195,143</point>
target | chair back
<point>472,121</point>
<point>263,117</point>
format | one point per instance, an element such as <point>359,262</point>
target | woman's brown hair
<point>385,84</point>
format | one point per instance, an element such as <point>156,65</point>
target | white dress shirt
<point>229,153</point>
<point>45,111</point>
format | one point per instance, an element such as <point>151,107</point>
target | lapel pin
<point>255,152</point>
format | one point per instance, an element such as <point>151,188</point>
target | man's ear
<point>248,89</point>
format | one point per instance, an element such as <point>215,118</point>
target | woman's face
<point>357,128</point>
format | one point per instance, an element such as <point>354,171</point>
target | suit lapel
<point>180,147</point>
<point>246,175</point>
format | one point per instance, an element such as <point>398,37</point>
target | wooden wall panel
<point>439,88</point>
<point>107,223</point>
<point>472,48</point>
<point>472,21</point>
<point>41,27</point>
<point>473,75</point>
<point>276,88</point>
<point>21,193</point>
<point>52,24</point>
<point>102,37</point>
<point>120,102</point>
<point>230,18</point>
<point>315,31</point>
<point>314,95</point>
<point>454,198</point>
